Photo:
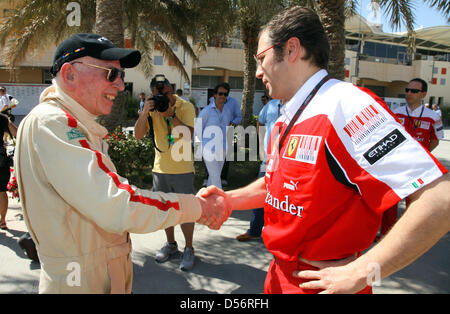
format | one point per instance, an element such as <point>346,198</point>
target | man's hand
<point>216,207</point>
<point>149,105</point>
<point>332,277</point>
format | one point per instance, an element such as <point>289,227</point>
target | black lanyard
<point>412,121</point>
<point>300,110</point>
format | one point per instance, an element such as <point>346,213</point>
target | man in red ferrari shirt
<point>424,124</point>
<point>337,160</point>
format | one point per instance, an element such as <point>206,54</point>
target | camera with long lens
<point>161,100</point>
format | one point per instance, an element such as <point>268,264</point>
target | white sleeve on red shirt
<point>381,147</point>
<point>438,125</point>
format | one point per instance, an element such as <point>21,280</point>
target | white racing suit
<point>78,210</point>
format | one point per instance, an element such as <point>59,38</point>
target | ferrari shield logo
<point>293,143</point>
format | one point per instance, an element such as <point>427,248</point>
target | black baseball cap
<point>96,46</point>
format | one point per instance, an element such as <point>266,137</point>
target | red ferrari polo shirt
<point>423,124</point>
<point>343,163</point>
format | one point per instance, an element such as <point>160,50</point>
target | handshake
<point>216,207</point>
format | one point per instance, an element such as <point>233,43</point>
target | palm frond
<point>400,11</point>
<point>441,5</point>
<point>34,25</point>
<point>169,54</point>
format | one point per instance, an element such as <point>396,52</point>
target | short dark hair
<point>424,84</point>
<point>304,24</point>
<point>223,85</point>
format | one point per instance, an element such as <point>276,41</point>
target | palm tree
<point>147,23</point>
<point>333,13</point>
<point>251,16</point>
<point>109,23</point>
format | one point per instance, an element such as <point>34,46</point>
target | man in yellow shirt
<point>173,170</point>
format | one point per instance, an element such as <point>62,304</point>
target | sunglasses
<point>412,90</point>
<point>223,94</point>
<point>112,74</point>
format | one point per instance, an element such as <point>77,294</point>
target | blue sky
<point>425,16</point>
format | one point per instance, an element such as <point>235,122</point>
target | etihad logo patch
<point>304,148</point>
<point>364,123</point>
<point>384,146</point>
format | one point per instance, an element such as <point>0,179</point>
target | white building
<point>374,59</point>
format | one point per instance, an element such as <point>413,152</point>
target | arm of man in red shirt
<point>248,197</point>
<point>425,222</point>
<point>433,144</point>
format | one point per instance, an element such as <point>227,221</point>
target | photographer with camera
<point>161,114</point>
<point>7,103</point>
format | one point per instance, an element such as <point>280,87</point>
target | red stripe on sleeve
<point>134,198</point>
<point>71,121</point>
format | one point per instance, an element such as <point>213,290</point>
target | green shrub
<point>131,108</point>
<point>133,158</point>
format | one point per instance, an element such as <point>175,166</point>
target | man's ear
<point>68,74</point>
<point>294,49</point>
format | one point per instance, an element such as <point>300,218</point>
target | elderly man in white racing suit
<point>78,210</point>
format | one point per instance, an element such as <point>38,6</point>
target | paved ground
<point>223,265</point>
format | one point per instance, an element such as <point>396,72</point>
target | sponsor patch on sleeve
<point>384,146</point>
<point>418,183</point>
<point>74,134</point>
<point>364,123</point>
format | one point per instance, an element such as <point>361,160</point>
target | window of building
<point>431,100</point>
<point>236,82</point>
<point>380,91</point>
<point>442,81</point>
<point>435,70</point>
<point>259,85</point>
<point>46,77</point>
<point>173,46</point>
<point>204,81</point>
<point>158,60</point>
<point>384,50</point>
<point>444,71</point>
